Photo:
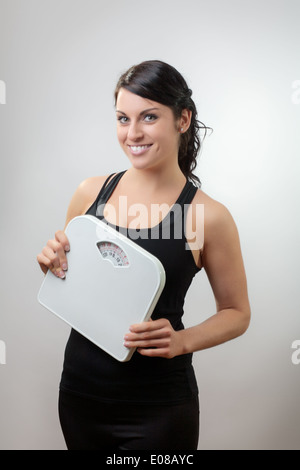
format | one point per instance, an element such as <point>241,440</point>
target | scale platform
<point>111,283</point>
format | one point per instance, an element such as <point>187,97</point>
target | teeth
<point>139,148</point>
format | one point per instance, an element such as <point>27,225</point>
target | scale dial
<point>113,253</point>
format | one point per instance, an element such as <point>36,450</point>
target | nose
<point>135,131</point>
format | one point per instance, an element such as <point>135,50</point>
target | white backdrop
<point>59,62</point>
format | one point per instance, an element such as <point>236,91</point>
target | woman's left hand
<point>155,339</point>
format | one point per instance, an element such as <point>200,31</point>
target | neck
<point>156,178</point>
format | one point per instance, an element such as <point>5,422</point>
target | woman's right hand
<point>53,255</point>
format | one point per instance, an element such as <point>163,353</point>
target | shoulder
<point>215,211</point>
<point>89,188</point>
<point>218,220</point>
<point>84,196</point>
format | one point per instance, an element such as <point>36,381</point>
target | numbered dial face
<point>113,253</point>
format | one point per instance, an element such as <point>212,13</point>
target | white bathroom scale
<point>111,284</point>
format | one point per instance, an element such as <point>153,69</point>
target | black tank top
<point>89,371</point>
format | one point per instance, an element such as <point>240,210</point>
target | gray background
<point>60,61</point>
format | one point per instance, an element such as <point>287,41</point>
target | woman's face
<point>147,131</point>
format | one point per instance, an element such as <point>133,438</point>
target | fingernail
<point>67,248</point>
<point>64,266</point>
<point>61,274</point>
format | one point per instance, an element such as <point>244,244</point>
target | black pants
<point>88,424</point>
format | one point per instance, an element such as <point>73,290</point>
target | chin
<point>140,163</point>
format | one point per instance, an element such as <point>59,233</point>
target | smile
<point>138,149</point>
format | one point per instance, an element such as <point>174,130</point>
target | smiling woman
<point>160,83</point>
<point>151,402</point>
<point>143,133</point>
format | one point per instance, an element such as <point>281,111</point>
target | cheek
<point>170,138</point>
<point>121,135</point>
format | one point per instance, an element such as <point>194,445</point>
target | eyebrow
<point>141,113</point>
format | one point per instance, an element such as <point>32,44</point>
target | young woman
<point>151,402</point>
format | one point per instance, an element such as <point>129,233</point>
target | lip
<point>139,149</point>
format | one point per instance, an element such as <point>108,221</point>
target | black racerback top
<point>91,372</point>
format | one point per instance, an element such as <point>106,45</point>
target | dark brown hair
<point>157,81</point>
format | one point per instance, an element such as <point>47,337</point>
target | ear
<point>185,120</point>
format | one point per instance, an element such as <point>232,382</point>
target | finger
<point>53,261</point>
<point>148,335</point>
<point>62,238</point>
<point>149,326</point>
<point>44,263</point>
<point>158,352</point>
<point>61,259</point>
<point>153,343</point>
<point>51,257</point>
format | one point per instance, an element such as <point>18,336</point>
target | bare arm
<point>223,263</point>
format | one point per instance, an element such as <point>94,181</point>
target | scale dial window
<point>114,253</point>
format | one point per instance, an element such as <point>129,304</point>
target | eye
<point>123,119</point>
<point>150,117</point>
